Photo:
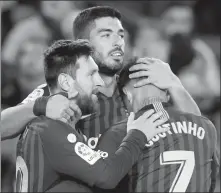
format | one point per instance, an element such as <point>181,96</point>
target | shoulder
<point>50,128</point>
<point>53,132</point>
<point>40,91</point>
<point>184,116</point>
<point>119,127</point>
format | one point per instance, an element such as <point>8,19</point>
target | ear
<point>64,81</point>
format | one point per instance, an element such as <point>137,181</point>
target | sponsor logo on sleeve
<point>34,95</point>
<point>86,153</point>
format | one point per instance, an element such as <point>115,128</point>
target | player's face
<point>87,82</point>
<point>107,38</point>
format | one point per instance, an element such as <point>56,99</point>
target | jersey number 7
<point>186,159</point>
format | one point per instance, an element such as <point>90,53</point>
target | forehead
<point>87,63</point>
<point>107,22</point>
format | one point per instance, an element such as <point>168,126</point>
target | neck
<point>108,80</point>
<point>110,85</point>
<point>139,104</point>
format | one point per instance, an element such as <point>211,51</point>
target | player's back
<point>179,160</point>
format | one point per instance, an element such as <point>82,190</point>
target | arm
<point>182,99</point>
<point>79,161</point>
<point>110,141</point>
<point>215,165</point>
<point>14,120</point>
<point>158,73</point>
<point>76,159</point>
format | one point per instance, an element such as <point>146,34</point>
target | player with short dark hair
<point>52,154</point>
<point>86,19</point>
<point>105,32</point>
<point>183,159</point>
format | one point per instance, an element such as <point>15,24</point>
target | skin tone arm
<point>15,119</point>
<point>158,73</point>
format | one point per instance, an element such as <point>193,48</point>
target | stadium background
<point>28,27</point>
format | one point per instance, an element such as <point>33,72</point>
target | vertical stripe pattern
<point>152,176</point>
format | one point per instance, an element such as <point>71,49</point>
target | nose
<point>118,41</point>
<point>98,80</point>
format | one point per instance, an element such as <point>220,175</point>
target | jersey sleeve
<point>110,141</point>
<point>40,91</point>
<point>215,157</point>
<point>69,155</point>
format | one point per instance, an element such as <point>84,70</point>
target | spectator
<point>200,72</point>
<point>149,41</point>
<point>29,73</point>
<point>67,24</point>
<point>45,24</point>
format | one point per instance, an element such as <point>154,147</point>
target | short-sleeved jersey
<point>53,156</point>
<point>184,159</point>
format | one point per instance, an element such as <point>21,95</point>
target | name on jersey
<point>179,128</point>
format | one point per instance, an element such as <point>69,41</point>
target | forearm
<point>118,165</point>
<point>182,99</point>
<point>14,120</point>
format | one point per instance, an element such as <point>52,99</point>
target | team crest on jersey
<point>34,95</point>
<point>72,138</point>
<point>86,153</point>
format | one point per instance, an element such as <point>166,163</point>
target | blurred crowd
<point>184,34</point>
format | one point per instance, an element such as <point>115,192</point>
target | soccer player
<point>103,28</point>
<point>183,159</point>
<point>51,152</point>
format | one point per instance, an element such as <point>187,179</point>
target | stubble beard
<point>108,70</point>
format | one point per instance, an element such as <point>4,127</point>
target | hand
<point>63,109</point>
<point>147,123</point>
<point>156,72</point>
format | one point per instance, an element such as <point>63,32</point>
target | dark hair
<point>61,57</point>
<point>87,16</point>
<point>124,73</point>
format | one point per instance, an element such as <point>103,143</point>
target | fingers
<point>70,112</point>
<point>147,114</point>
<point>131,118</point>
<point>139,74</point>
<point>155,116</point>
<point>65,116</point>
<point>145,60</point>
<point>141,66</point>
<point>63,120</point>
<point>72,94</point>
<point>160,122</point>
<point>73,106</point>
<point>143,82</point>
<point>162,130</point>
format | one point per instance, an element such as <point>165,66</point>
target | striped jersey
<point>110,110</point>
<point>52,154</point>
<point>183,159</point>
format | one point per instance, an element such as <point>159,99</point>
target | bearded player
<point>53,155</point>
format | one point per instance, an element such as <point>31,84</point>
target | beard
<point>108,70</point>
<point>87,104</point>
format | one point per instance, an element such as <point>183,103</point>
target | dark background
<point>27,28</point>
